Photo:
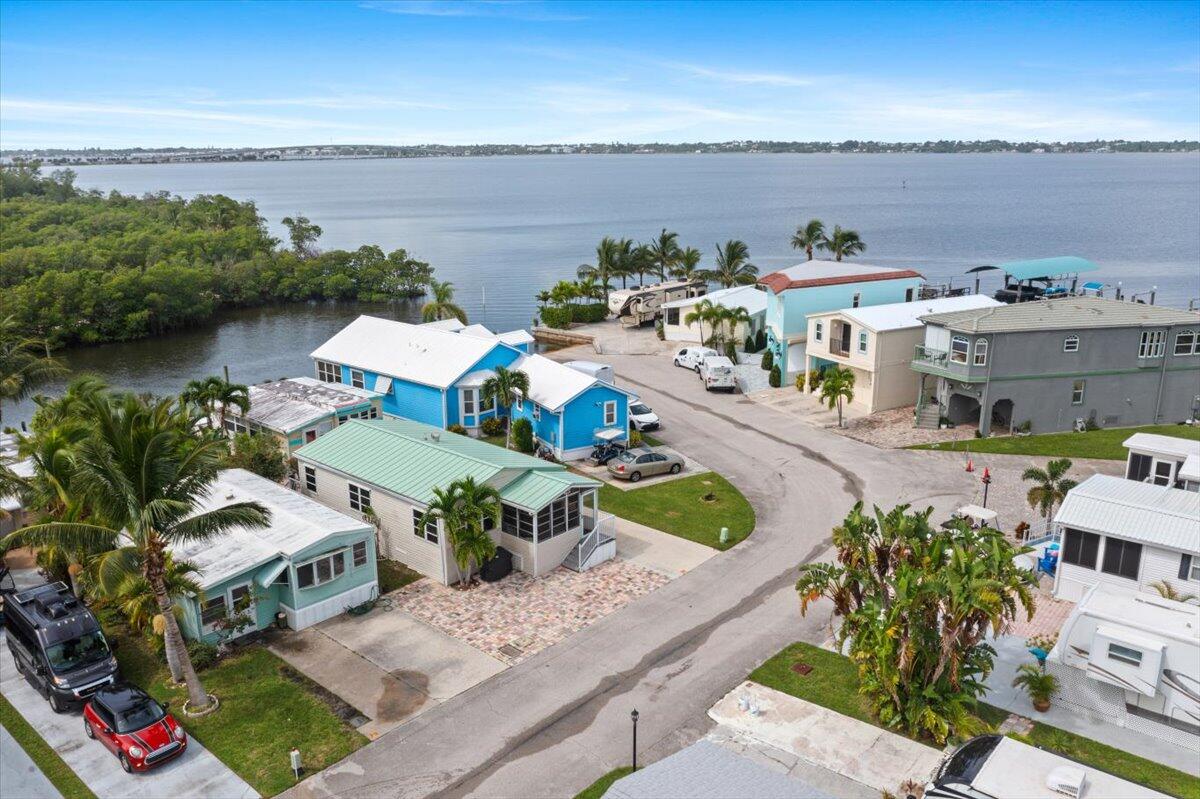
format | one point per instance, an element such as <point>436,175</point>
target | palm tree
<point>624,261</point>
<point>142,474</point>
<point>665,252</point>
<point>733,265</point>
<point>463,506</point>
<point>606,266</point>
<point>504,384</point>
<point>25,363</point>
<point>808,236</point>
<point>589,287</point>
<point>687,264</point>
<point>1168,591</point>
<point>231,394</point>
<point>137,601</point>
<point>641,261</point>
<point>442,305</point>
<point>1050,487</point>
<point>837,385</point>
<point>843,243</point>
<point>202,394</point>
<point>703,311</point>
<point>734,317</point>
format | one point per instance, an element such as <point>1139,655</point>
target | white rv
<point>997,767</point>
<point>640,304</point>
<point>1147,646</point>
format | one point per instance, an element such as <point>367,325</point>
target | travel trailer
<point>640,304</point>
<point>1147,646</point>
<point>998,767</point>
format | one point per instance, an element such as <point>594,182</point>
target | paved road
<point>554,723</point>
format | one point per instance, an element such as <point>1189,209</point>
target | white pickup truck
<point>716,371</point>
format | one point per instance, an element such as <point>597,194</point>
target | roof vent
<point>436,436</point>
<point>1066,780</point>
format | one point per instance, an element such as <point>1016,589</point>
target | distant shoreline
<point>348,152</point>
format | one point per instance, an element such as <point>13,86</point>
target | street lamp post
<point>634,716</point>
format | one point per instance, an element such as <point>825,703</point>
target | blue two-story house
<point>817,286</point>
<point>433,375</point>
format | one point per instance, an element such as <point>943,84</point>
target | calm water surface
<point>501,229</point>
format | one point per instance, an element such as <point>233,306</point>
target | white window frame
<point>953,355</point>
<point>1194,348</point>
<point>468,396</point>
<point>337,556</point>
<point>981,352</point>
<point>1134,658</point>
<point>329,372</point>
<point>818,331</point>
<point>210,626</point>
<point>610,410</point>
<point>1194,571</point>
<point>1069,341</point>
<point>1151,344</point>
<point>358,379</point>
<point>426,534</point>
<point>310,478</point>
<point>862,342</point>
<point>360,497</point>
<point>1078,389</point>
<point>354,552</point>
<point>537,412</point>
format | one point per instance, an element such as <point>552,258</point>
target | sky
<point>251,74</point>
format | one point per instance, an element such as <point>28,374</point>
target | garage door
<point>795,358</point>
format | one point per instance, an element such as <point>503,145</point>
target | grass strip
<point>58,772</point>
<point>695,508</point>
<point>597,788</point>
<point>1100,444</point>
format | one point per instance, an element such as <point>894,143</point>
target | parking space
<point>669,555</point>
<point>197,773</point>
<point>690,467</point>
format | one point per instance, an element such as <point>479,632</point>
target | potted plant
<point>1040,685</point>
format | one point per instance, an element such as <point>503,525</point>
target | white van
<point>600,371</point>
<point>717,373</point>
<point>690,357</point>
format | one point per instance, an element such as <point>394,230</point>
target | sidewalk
<point>667,554</point>
<point>19,775</point>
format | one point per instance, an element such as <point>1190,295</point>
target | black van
<point>57,645</point>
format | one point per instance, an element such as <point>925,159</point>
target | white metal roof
<point>289,404</point>
<point>297,523</point>
<point>1015,770</point>
<point>1152,514</point>
<point>902,315</point>
<point>754,300</point>
<point>552,384</point>
<point>1063,313</point>
<point>452,324</point>
<point>1171,446</point>
<point>1190,470</point>
<point>419,353</point>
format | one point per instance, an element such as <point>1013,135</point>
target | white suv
<point>690,357</point>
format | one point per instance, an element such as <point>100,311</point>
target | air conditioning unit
<point>1066,780</point>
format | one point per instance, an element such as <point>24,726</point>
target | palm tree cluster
<point>917,603</point>
<point>840,243</point>
<point>665,258</point>
<point>462,508</point>
<point>118,480</point>
<point>722,322</point>
<point>442,305</point>
<point>214,396</point>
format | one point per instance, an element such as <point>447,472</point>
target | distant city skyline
<point>404,73</point>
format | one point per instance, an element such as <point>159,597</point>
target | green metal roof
<point>412,459</point>
<point>1047,267</point>
<point>534,489</point>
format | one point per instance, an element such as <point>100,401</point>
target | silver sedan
<point>634,464</point>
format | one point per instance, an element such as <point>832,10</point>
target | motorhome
<point>1143,644</point>
<point>998,767</point>
<point>638,305</point>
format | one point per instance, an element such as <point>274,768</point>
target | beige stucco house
<point>877,344</point>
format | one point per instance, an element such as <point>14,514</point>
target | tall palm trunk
<point>178,662</point>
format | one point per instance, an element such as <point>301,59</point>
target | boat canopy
<point>1041,268</point>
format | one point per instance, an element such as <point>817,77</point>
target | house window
<point>857,301</point>
<point>959,346</point>
<point>558,517</point>
<point>359,552</point>
<point>1162,472</point>
<point>373,413</point>
<point>243,599</point>
<point>1077,392</point>
<point>1124,654</point>
<point>819,331</point>
<point>537,412</point>
<point>329,372</point>
<point>610,412</point>
<point>324,569</point>
<point>1189,567</point>
<point>468,402</point>
<point>1194,570</point>
<point>908,295</point>
<point>862,341</point>
<point>1187,343</point>
<point>310,478</point>
<point>429,532</point>
<point>1080,548</point>
<point>516,521</point>
<point>356,379</point>
<point>360,498</point>
<point>212,611</point>
<point>1139,467</point>
<point>1151,344</point>
<point>1121,558</point>
<point>981,346</point>
<point>672,316</point>
<point>1071,344</point>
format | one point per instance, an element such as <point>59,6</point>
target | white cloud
<point>744,78</point>
<point>87,112</point>
<point>512,9</point>
<point>342,102</point>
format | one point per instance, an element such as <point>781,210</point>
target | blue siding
<point>500,355</point>
<point>545,428</point>
<point>585,414</point>
<point>415,401</point>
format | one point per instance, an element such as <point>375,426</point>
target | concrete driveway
<point>197,773</point>
<point>19,775</point>
<point>661,552</point>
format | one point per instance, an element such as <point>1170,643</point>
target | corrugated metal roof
<point>412,459</point>
<point>533,490</point>
<point>1151,514</point>
<point>292,403</point>
<point>297,523</point>
<point>901,315</point>
<point>1066,313</point>
<point>1167,445</point>
<point>753,299</point>
<point>552,384</point>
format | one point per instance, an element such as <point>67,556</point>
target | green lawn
<point>1105,444</point>
<point>597,788</point>
<point>263,713</point>
<point>393,575</point>
<point>695,508</point>
<point>58,772</point>
<point>833,683</point>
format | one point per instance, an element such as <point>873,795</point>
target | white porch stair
<point>595,546</point>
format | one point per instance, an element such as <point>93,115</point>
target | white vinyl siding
<point>1157,564</point>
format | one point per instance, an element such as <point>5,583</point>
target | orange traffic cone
<point>970,465</point>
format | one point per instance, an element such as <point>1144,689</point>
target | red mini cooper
<point>134,726</point>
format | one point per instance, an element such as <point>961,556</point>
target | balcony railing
<point>931,356</point>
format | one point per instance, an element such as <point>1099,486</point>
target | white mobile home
<point>752,298</point>
<point>1162,460</point>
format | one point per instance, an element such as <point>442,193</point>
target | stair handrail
<point>586,546</point>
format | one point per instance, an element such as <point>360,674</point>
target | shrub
<point>814,380</point>
<point>748,345</point>
<point>522,435</point>
<point>800,382</point>
<point>493,426</point>
<point>260,454</point>
<point>658,330</point>
<point>589,312</point>
<point>775,378</point>
<point>457,428</point>
<point>731,351</point>
<point>760,340</point>
<point>768,361</point>
<point>559,318</point>
<point>635,438</point>
<point>203,654</point>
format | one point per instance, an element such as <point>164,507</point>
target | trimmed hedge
<point>768,361</point>
<point>556,317</point>
<point>562,316</point>
<point>774,378</point>
<point>590,312</point>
